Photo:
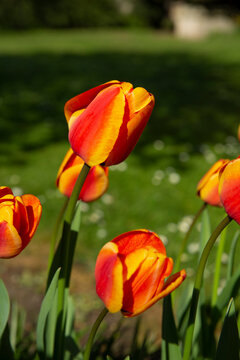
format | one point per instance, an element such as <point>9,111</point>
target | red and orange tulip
<point>19,218</point>
<point>207,188</point>
<point>229,188</point>
<point>131,271</point>
<point>95,184</point>
<point>106,122</point>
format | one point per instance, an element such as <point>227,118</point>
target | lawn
<point>195,120</point>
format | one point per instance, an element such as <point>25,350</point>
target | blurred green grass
<point>196,86</point>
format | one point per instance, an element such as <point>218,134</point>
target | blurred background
<point>186,53</point>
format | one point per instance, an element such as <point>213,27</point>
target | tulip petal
<point>171,284</point>
<point>10,241</point>
<point>141,287</point>
<point>93,134</point>
<point>137,239</point>
<point>4,190</point>
<point>109,277</point>
<point>81,101</point>
<point>229,189</point>
<point>34,212</point>
<point>209,193</point>
<point>140,105</point>
<point>21,221</point>
<point>95,185</point>
<point>68,179</point>
<point>207,188</point>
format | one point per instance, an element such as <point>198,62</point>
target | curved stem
<point>198,283</point>
<point>185,239</point>
<point>91,337</point>
<point>217,269</point>
<point>55,233</point>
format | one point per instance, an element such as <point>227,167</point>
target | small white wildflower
<point>158,145</point>
<point>210,157</point>
<point>107,199</point>
<point>164,239</point>
<point>171,227</point>
<point>17,191</point>
<point>184,156</point>
<point>96,216</point>
<point>184,257</point>
<point>193,248</point>
<point>190,272</point>
<point>101,233</point>
<point>84,207</point>
<point>224,259</point>
<point>174,178</point>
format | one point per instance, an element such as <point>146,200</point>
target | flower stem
<point>91,337</point>
<point>66,261</point>
<point>185,239</point>
<point>198,284</point>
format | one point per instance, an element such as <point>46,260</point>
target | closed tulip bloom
<point>207,188</point>
<point>106,122</point>
<point>131,271</point>
<point>19,218</point>
<point>229,188</point>
<point>95,184</point>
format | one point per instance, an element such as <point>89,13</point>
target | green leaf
<point>170,347</point>
<point>230,290</point>
<point>228,345</point>
<point>4,307</point>
<point>47,304</point>
<point>50,327</point>
<point>205,231</point>
<point>75,226</point>
<point>232,254</point>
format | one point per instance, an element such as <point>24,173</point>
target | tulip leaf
<point>4,307</point>
<point>205,230</point>
<point>47,304</point>
<point>228,345</point>
<point>229,291</point>
<point>170,347</point>
<point>232,255</point>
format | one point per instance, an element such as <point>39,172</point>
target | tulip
<point>19,218</point>
<point>207,188</point>
<point>131,271</point>
<point>95,184</point>
<point>229,188</point>
<point>106,122</point>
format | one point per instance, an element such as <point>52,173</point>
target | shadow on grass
<point>196,99</point>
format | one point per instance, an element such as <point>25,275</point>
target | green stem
<point>217,268</point>
<point>198,283</point>
<point>63,283</point>
<point>55,233</point>
<point>185,239</point>
<point>91,337</point>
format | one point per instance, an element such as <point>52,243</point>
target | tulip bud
<point>95,184</point>
<point>207,188</point>
<point>19,218</point>
<point>106,122</point>
<point>131,271</point>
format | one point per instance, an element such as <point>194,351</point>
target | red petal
<point>108,275</point>
<point>81,101</point>
<point>137,239</point>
